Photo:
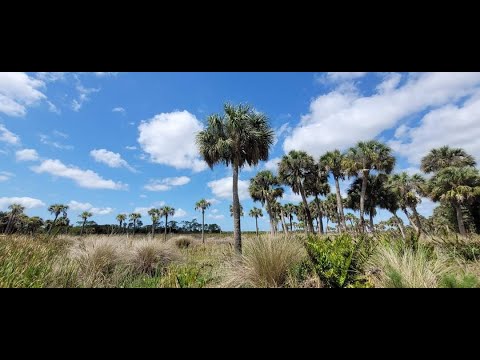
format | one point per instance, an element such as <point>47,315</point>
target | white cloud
<point>216,217</point>
<point>180,213</point>
<point>289,196</point>
<point>5,176</point>
<point>272,164</point>
<point>50,76</point>
<point>45,139</point>
<point>78,206</point>
<point>144,210</point>
<point>120,110</point>
<point>343,76</point>
<point>18,91</point>
<point>83,95</point>
<point>456,126</point>
<point>282,130</point>
<point>27,155</point>
<point>223,188</point>
<point>167,184</point>
<point>60,134</point>
<point>214,201</point>
<point>8,137</point>
<point>131,147</point>
<point>111,159</point>
<point>101,211</point>
<point>105,74</point>
<point>426,207</point>
<point>84,178</point>
<point>169,139</point>
<point>27,202</point>
<point>215,211</point>
<point>53,108</point>
<point>341,118</point>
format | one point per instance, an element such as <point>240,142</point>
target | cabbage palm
<point>241,210</point>
<point>57,209</point>
<point>84,216</point>
<point>121,219</point>
<point>16,210</point>
<point>155,216</point>
<point>265,188</point>
<point>279,211</point>
<point>333,162</point>
<point>294,170</point>
<point>317,185</point>
<point>289,210</point>
<point>457,186</point>
<point>134,217</point>
<point>202,205</point>
<point>166,211</point>
<point>33,224</point>
<point>238,137</point>
<point>362,159</point>
<point>441,158</point>
<point>256,213</point>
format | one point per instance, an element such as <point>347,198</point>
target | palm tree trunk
<point>291,223</point>
<point>83,227</point>
<point>53,224</point>
<point>9,224</point>
<point>362,199</point>
<point>256,224</point>
<point>309,225</point>
<point>237,236</point>
<point>203,226</point>
<point>320,215</point>
<point>166,225</point>
<point>272,221</point>
<point>283,223</point>
<point>417,221</point>
<point>372,225</point>
<point>340,205</point>
<point>412,223</point>
<point>327,225</point>
<point>153,229</point>
<point>461,224</point>
<point>400,225</point>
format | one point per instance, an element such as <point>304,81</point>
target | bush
<point>183,242</point>
<point>465,281</point>
<point>151,257</point>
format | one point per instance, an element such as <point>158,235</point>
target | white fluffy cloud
<point>78,206</point>
<point>120,110</point>
<point>272,164</point>
<point>8,137</point>
<point>18,91</point>
<point>111,159</point>
<point>26,155</point>
<point>83,95</point>
<point>213,201</point>
<point>167,184</point>
<point>342,117</point>
<point>169,139</point>
<point>453,125</point>
<point>27,202</point>
<point>223,188</point>
<point>343,76</point>
<point>180,213</point>
<point>5,175</point>
<point>84,178</point>
<point>144,210</point>
<point>105,74</point>
<point>50,76</point>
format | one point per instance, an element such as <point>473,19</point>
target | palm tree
<point>155,216</point>
<point>16,210</point>
<point>333,162</point>
<point>238,137</point>
<point>294,169</point>
<point>33,224</point>
<point>441,158</point>
<point>166,211</point>
<point>84,216</point>
<point>289,210</point>
<point>256,213</point>
<point>264,187</point>
<point>241,210</point>
<point>57,209</point>
<point>408,191</point>
<point>202,205</point>
<point>331,210</point>
<point>316,185</point>
<point>134,217</point>
<point>365,157</point>
<point>279,211</point>
<point>121,219</point>
<point>65,222</point>
<point>352,219</point>
<point>457,186</point>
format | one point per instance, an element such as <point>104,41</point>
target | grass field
<point>184,262</point>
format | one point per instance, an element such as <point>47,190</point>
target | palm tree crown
<point>202,205</point>
<point>438,159</point>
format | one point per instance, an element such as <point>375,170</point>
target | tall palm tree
<point>202,205</point>
<point>265,188</point>
<point>16,210</point>
<point>121,219</point>
<point>279,212</point>
<point>238,137</point>
<point>289,210</point>
<point>294,169</point>
<point>362,159</point>
<point>441,158</point>
<point>84,216</point>
<point>241,210</point>
<point>331,210</point>
<point>56,210</point>
<point>166,211</point>
<point>256,213</point>
<point>408,191</point>
<point>316,185</point>
<point>134,218</point>
<point>155,216</point>
<point>333,162</point>
<point>457,186</point>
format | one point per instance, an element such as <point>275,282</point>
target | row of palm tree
<point>155,215</point>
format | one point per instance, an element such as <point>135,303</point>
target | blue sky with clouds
<point>120,142</point>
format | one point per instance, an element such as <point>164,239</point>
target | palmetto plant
<point>441,158</point>
<point>134,217</point>
<point>16,211</point>
<point>84,216</point>
<point>166,211</point>
<point>56,210</point>
<point>294,170</point>
<point>256,213</point>
<point>362,159</point>
<point>265,188</point>
<point>202,205</point>
<point>155,216</point>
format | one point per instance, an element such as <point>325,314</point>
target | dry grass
<point>151,257</point>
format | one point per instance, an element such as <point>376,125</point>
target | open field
<point>183,261</point>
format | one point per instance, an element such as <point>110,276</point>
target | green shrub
<point>183,242</point>
<point>465,281</point>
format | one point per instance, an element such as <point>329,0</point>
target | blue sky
<point>120,142</point>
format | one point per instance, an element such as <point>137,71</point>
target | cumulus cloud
<point>169,139</point>
<point>272,164</point>
<point>180,213</point>
<point>27,202</point>
<point>213,201</point>
<point>336,77</point>
<point>5,175</point>
<point>47,140</point>
<point>27,155</point>
<point>144,210</point>
<point>131,148</point>
<point>167,184</point>
<point>83,95</point>
<point>105,74</point>
<point>120,110</point>
<point>342,117</point>
<point>223,188</point>
<point>19,91</point>
<point>84,178</point>
<point>50,76</point>
<point>78,206</point>
<point>8,137</point>
<point>111,159</point>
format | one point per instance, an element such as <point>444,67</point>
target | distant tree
<point>256,213</point>
<point>134,217</point>
<point>16,211</point>
<point>155,216</point>
<point>56,210</point>
<point>202,205</point>
<point>84,216</point>
<point>166,211</point>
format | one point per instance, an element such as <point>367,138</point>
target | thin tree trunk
<point>9,225</point>
<point>236,210</point>
<point>340,205</point>
<point>309,221</point>
<point>372,225</point>
<point>256,225</point>
<point>83,227</point>
<point>203,226</point>
<point>53,224</point>
<point>283,223</point>
<point>327,225</point>
<point>400,225</point>
<point>291,223</point>
<point>166,225</point>
<point>412,223</point>
<point>320,215</point>
<point>417,221</point>
<point>461,224</point>
<point>362,199</point>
